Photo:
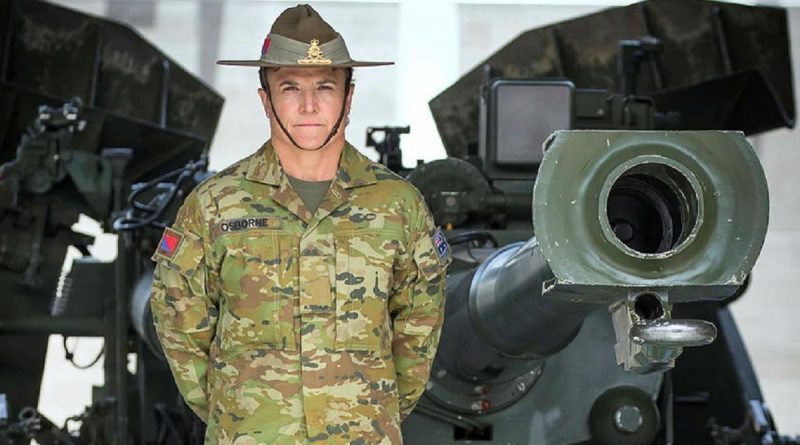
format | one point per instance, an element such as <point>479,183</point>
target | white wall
<point>433,43</point>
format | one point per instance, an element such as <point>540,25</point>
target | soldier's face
<point>308,102</point>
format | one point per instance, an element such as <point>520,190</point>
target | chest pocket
<point>257,286</point>
<point>364,267</point>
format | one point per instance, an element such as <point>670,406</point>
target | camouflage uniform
<point>283,327</point>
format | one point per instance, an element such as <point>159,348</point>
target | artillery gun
<point>571,333</point>
<point>569,329</point>
<point>562,331</point>
<point>87,109</point>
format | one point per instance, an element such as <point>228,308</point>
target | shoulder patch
<point>170,241</point>
<point>440,242</point>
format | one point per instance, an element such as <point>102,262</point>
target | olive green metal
<point>694,84</point>
<point>71,327</point>
<point>707,188</point>
<point>452,188</point>
<point>116,338</point>
<point>624,415</point>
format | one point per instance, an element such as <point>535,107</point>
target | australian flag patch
<point>170,241</point>
<point>440,243</point>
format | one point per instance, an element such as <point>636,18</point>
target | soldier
<point>299,295</point>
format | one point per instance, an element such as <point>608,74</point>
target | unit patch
<point>170,241</point>
<point>265,46</point>
<point>440,242</point>
<point>258,222</point>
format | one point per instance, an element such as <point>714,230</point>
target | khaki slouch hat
<point>301,38</point>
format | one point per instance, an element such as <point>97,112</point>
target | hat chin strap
<point>335,128</point>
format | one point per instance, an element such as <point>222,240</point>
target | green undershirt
<point>311,192</point>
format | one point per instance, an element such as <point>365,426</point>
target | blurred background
<point>433,43</point>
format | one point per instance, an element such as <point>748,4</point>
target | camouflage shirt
<point>283,327</point>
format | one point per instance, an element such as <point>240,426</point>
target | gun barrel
<point>638,222</point>
<point>507,304</point>
<point>498,315</point>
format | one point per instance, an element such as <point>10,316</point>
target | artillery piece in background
<point>138,116</point>
<point>569,336</point>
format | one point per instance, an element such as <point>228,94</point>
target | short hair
<point>262,76</point>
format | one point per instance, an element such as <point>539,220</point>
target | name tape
<point>261,222</point>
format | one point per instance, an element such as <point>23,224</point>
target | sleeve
<point>184,312</point>
<point>417,306</point>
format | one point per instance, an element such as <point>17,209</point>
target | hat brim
<point>261,63</point>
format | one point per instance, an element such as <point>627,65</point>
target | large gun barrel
<point>495,314</point>
<point>629,222</point>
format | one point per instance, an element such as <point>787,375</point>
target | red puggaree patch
<point>169,243</point>
<point>265,45</point>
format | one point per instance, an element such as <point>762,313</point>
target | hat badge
<point>314,56</point>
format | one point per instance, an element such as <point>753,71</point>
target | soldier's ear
<point>262,94</point>
<point>350,97</point>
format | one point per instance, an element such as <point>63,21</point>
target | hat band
<point>285,51</point>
